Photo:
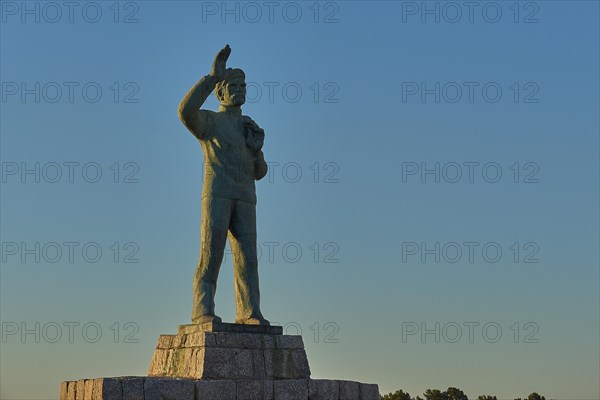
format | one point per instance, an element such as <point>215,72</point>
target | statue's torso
<point>228,162</point>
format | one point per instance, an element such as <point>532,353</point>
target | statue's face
<point>234,92</point>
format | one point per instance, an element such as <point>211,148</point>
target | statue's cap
<point>233,73</point>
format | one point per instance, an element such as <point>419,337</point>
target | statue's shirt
<point>228,162</point>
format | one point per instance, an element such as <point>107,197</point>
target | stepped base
<point>224,355</point>
<point>161,388</point>
<point>223,362</point>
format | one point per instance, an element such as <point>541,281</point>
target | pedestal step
<point>224,355</point>
<point>223,362</point>
<point>231,328</point>
<point>160,388</point>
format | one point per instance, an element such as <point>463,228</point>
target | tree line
<point>451,393</point>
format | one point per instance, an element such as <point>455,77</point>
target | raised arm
<point>196,120</point>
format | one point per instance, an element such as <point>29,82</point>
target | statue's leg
<point>216,213</point>
<point>242,239</point>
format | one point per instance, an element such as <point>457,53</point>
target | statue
<point>211,359</point>
<point>233,159</point>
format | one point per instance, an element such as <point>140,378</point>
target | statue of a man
<point>233,160</point>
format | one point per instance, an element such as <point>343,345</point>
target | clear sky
<point>430,218</point>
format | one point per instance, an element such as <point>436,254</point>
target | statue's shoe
<point>207,318</point>
<point>253,321</point>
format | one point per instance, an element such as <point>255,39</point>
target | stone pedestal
<point>223,362</point>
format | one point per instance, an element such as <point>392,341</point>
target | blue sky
<point>385,134</point>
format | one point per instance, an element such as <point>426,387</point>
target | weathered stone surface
<point>223,365</point>
<point>349,390</point>
<point>80,389</point>
<point>89,389</point>
<point>63,390</point>
<point>168,389</point>
<point>224,355</point>
<point>286,364</point>
<point>369,391</point>
<point>212,390</point>
<point>197,366</point>
<point>258,361</point>
<point>300,364</point>
<point>222,339</point>
<point>107,388</point>
<point>97,390</point>
<point>220,363</point>
<point>133,388</point>
<point>71,390</point>
<point>267,341</point>
<point>268,393</point>
<point>230,328</point>
<point>323,389</point>
<point>278,364</point>
<point>289,342</point>
<point>112,389</point>
<point>201,339</point>
<point>180,364</point>
<point>291,389</point>
<point>239,340</point>
<point>165,341</point>
<point>158,365</point>
<point>250,390</point>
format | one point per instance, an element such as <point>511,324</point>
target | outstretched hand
<point>220,64</point>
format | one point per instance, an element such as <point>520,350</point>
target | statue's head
<point>232,90</point>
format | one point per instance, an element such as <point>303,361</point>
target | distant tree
<point>397,395</point>
<point>451,393</point>
<point>456,394</point>
<point>435,394</point>
<point>535,396</point>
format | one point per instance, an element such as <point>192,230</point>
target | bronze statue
<point>233,160</point>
